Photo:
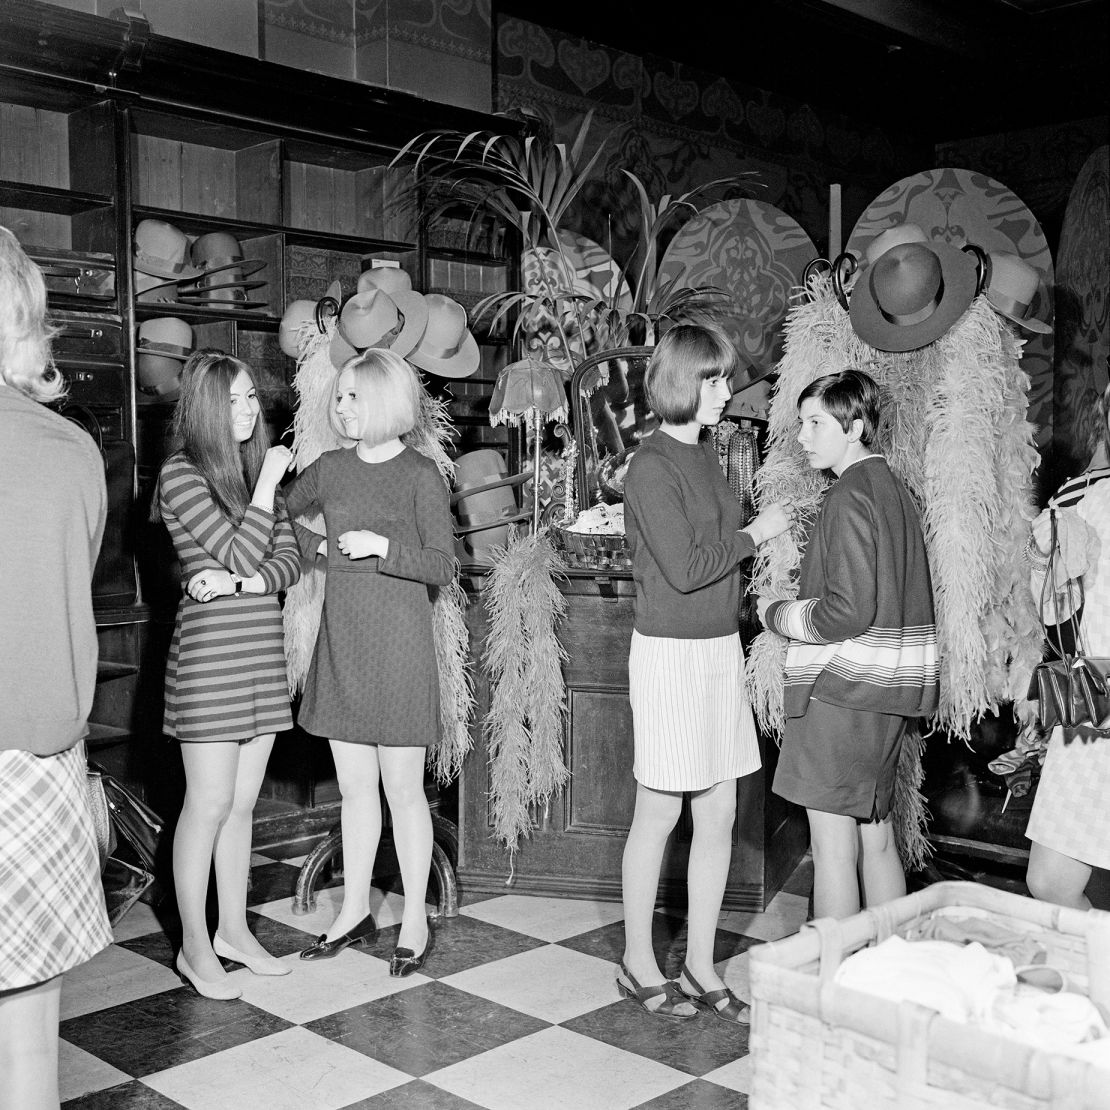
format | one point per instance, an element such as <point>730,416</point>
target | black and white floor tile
<point>516,1009</point>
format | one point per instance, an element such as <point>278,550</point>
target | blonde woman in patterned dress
<point>226,688</point>
<point>373,686</point>
<point>52,502</point>
<point>1069,825</point>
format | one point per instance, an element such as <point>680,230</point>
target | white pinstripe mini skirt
<point>52,914</point>
<point>692,724</point>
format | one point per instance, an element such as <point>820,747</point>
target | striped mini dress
<point>692,725</point>
<point>225,675</point>
<point>51,900</point>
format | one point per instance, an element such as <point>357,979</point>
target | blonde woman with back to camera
<point>53,504</point>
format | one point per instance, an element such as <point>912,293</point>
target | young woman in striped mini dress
<point>692,725</point>
<point>226,688</point>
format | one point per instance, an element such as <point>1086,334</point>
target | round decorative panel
<point>756,254</point>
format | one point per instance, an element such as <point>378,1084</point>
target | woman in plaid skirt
<point>52,502</point>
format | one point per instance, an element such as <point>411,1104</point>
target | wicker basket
<point>591,550</point>
<point>816,1045</point>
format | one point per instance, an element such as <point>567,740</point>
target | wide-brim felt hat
<point>162,250</point>
<point>447,348</point>
<point>911,295</point>
<point>218,251</point>
<point>229,297</point>
<point>1011,288</point>
<point>485,487</point>
<point>196,289</point>
<point>151,289</point>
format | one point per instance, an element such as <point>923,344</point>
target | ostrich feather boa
<point>523,659</point>
<point>312,436</point>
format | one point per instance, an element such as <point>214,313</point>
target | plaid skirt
<point>52,914</point>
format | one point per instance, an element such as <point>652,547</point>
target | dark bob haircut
<point>686,356</point>
<point>846,396</point>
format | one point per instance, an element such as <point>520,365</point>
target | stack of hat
<point>484,504</point>
<point>386,312</point>
<point>163,346</point>
<point>911,291</point>
<point>210,271</point>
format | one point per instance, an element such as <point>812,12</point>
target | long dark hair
<point>202,430</point>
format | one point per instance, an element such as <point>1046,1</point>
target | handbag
<point>1073,689</point>
<point>98,808</point>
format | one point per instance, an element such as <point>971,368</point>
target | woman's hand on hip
<point>362,544</point>
<point>206,585</point>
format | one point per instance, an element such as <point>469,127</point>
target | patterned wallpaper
<point>675,126</point>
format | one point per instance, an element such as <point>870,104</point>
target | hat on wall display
<point>958,207</point>
<point>373,319</point>
<point>756,254</point>
<point>447,348</point>
<point>222,273</point>
<point>1011,288</point>
<point>164,343</point>
<point>911,292</point>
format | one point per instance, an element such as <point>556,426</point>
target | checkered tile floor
<point>516,1009</point>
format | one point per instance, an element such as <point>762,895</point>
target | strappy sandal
<point>733,1011</point>
<point>668,990</point>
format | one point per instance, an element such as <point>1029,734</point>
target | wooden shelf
<point>46,198</point>
<point>108,670</point>
<point>101,736</point>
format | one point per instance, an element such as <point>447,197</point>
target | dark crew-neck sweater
<point>681,519</point>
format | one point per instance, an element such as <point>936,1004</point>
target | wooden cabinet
<point>577,844</point>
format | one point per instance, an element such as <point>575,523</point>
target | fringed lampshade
<point>533,391</point>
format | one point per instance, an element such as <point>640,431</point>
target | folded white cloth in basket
<point>966,983</point>
<point>959,981</point>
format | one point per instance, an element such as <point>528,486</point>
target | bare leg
<point>652,823</point>
<point>403,779</point>
<point>880,865</point>
<point>356,767</point>
<point>834,840</point>
<point>1054,877</point>
<point>714,812</point>
<point>29,1047</point>
<point>233,846</point>
<point>210,772</point>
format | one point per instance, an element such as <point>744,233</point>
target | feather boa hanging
<point>313,434</point>
<point>955,431</point>
<point>523,659</point>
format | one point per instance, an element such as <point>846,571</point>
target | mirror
<point>610,417</point>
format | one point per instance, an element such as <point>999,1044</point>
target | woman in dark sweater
<point>693,728</point>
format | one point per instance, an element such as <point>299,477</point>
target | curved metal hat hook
<point>982,266</point>
<point>325,307</point>
<point>844,267</point>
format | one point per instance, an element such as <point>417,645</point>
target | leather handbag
<point>1073,689</point>
<point>102,823</point>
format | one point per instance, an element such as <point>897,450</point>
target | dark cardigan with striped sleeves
<point>862,632</point>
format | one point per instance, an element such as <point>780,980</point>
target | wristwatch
<point>238,583</point>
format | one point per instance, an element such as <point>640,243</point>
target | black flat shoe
<point>324,949</point>
<point>405,961</point>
